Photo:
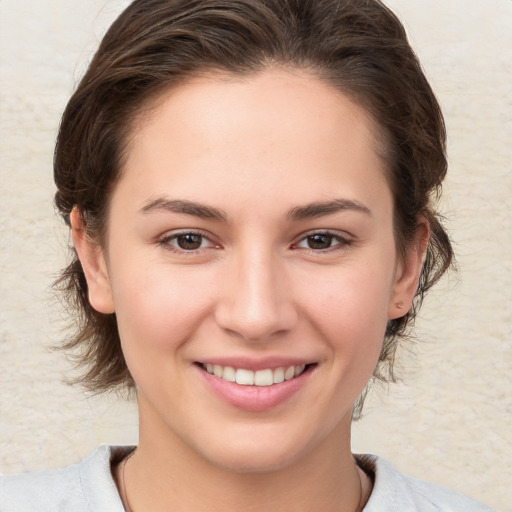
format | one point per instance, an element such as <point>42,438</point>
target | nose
<point>257,302</point>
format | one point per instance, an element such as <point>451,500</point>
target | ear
<point>408,272</point>
<point>93,263</point>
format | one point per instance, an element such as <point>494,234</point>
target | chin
<point>257,454</point>
<point>254,462</point>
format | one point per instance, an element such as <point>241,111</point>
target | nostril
<point>256,322</point>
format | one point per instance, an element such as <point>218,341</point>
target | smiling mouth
<point>244,377</point>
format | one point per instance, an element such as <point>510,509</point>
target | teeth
<point>289,373</point>
<point>229,374</point>
<point>299,369</point>
<point>278,375</point>
<point>244,377</point>
<point>262,378</point>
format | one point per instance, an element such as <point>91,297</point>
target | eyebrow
<point>313,210</point>
<point>309,211</point>
<point>184,206</point>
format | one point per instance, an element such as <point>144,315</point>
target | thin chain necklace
<point>363,495</point>
<point>124,496</point>
<point>128,508</point>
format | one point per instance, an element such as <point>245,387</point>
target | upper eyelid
<point>168,236</point>
<point>178,232</point>
<point>343,238</point>
<point>343,235</point>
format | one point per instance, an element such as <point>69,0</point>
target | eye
<point>189,241</point>
<point>186,242</point>
<point>322,241</point>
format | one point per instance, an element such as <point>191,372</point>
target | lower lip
<point>254,398</point>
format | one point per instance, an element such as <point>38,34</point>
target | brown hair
<point>359,46</point>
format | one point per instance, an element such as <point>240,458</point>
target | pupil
<point>319,241</point>
<point>189,242</point>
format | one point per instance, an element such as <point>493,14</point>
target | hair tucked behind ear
<point>358,46</point>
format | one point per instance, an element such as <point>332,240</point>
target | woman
<point>248,186</point>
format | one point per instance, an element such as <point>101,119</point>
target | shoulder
<point>81,487</point>
<point>396,492</point>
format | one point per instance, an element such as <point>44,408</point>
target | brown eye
<point>186,242</point>
<point>323,241</point>
<point>319,241</point>
<point>189,241</point>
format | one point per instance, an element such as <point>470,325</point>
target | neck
<point>166,474</point>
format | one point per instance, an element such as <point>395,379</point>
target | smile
<point>244,377</point>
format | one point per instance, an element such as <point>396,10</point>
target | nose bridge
<point>257,304</point>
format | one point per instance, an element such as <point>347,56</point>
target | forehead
<point>274,128</point>
<point>306,100</point>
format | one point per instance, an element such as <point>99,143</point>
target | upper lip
<point>256,364</point>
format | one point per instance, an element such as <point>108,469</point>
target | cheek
<point>355,295</point>
<point>157,309</point>
<point>352,313</point>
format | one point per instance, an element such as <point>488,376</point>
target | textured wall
<point>447,421</point>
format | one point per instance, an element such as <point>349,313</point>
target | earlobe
<point>94,266</point>
<point>408,273</point>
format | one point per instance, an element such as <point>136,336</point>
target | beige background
<point>447,421</point>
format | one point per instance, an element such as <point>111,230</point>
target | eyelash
<point>342,242</point>
<point>167,242</point>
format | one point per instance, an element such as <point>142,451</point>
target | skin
<point>256,150</point>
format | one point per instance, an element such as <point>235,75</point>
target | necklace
<point>124,496</point>
<point>362,493</point>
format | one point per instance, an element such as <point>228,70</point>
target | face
<point>251,264</point>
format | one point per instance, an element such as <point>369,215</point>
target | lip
<point>255,398</point>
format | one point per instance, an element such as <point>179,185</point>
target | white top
<point>88,487</point>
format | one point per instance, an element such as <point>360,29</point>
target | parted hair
<point>358,46</point>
